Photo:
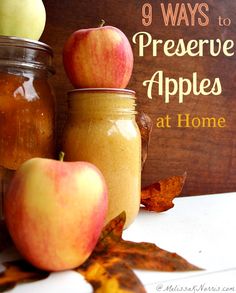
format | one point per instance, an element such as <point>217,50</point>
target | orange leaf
<point>109,274</point>
<point>111,234</point>
<point>104,271</point>
<point>158,197</point>
<point>148,256</point>
<point>19,272</point>
<point>142,255</point>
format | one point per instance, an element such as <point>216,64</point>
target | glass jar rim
<point>13,54</point>
<point>103,90</point>
<point>25,43</point>
<point>83,95</point>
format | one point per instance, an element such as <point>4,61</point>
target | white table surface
<point>202,229</point>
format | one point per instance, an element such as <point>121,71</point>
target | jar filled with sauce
<point>101,129</point>
<point>27,111</point>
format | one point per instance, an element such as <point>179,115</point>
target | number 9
<point>147,14</point>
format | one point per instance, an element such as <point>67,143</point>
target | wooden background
<point>208,155</point>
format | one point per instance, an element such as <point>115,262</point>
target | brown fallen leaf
<point>108,269</point>
<point>111,235</point>
<point>144,255</point>
<point>145,125</point>
<point>148,256</point>
<point>110,274</point>
<point>106,272</point>
<point>158,197</point>
<point>18,272</point>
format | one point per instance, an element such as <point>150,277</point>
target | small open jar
<point>26,104</point>
<point>101,129</point>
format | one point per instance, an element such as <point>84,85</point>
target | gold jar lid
<point>105,90</point>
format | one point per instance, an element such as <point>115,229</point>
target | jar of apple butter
<point>101,129</point>
<point>26,104</point>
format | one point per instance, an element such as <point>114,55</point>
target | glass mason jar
<point>101,129</point>
<point>26,104</point>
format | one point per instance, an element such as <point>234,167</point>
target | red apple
<point>55,212</point>
<point>98,58</point>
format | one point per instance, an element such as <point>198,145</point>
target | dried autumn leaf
<point>109,274</point>
<point>158,197</point>
<point>104,271</point>
<point>111,234</point>
<point>145,126</point>
<point>146,256</point>
<point>109,267</point>
<point>18,272</point>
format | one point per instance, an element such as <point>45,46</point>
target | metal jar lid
<point>26,53</point>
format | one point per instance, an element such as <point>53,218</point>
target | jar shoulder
<point>126,128</point>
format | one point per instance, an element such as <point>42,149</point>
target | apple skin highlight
<point>55,212</point>
<point>98,58</point>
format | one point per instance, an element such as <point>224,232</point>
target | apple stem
<point>102,23</point>
<point>61,156</point>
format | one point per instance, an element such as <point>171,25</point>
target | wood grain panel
<point>208,155</point>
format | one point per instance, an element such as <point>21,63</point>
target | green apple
<point>22,18</point>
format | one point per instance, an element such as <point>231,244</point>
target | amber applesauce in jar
<point>101,129</point>
<point>26,104</point>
